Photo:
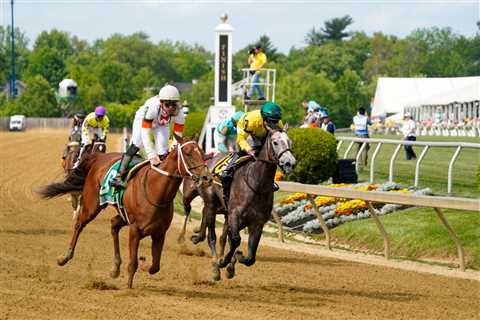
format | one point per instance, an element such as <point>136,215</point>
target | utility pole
<point>13,87</point>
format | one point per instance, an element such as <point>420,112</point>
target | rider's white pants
<point>160,133</point>
<point>92,131</point>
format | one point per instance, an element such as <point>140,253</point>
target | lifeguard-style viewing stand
<point>267,84</point>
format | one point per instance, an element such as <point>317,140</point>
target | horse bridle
<point>276,157</point>
<point>188,169</point>
<point>181,160</point>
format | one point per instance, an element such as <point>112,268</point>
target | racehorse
<point>249,205</point>
<point>97,145</point>
<point>148,200</point>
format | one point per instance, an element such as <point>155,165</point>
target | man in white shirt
<point>157,113</point>
<point>361,123</point>
<point>408,131</point>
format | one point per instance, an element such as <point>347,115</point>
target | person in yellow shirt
<point>96,123</point>
<point>251,132</point>
<point>257,61</point>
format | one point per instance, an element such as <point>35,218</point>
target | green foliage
<point>334,30</point>
<point>478,178</point>
<point>38,101</point>
<point>316,155</point>
<point>121,115</point>
<point>49,63</point>
<point>194,123</point>
<point>116,80</point>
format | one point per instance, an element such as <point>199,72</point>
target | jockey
<point>251,131</point>
<point>157,113</point>
<point>226,133</point>
<point>75,128</point>
<point>97,123</point>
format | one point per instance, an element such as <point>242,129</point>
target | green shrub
<point>194,123</point>
<point>316,155</point>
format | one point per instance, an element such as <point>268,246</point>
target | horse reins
<point>181,159</point>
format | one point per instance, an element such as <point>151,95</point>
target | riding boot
<point>118,181</point>
<point>226,176</point>
<point>80,154</point>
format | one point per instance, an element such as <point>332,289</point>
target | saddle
<point>114,196</point>
<point>223,162</point>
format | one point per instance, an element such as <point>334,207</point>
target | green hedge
<point>316,155</point>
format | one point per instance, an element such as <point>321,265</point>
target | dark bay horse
<point>148,200</point>
<point>249,205</point>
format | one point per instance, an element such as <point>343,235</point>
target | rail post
<point>392,161</point>
<point>323,225</point>
<point>348,149</point>
<point>450,169</point>
<point>359,154</point>
<point>279,225</point>
<point>453,235</point>
<point>417,165</point>
<point>386,240</point>
<point>372,162</point>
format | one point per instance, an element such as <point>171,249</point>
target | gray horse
<point>249,205</point>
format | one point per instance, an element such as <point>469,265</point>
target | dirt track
<point>281,285</point>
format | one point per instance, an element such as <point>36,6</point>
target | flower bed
<point>297,213</point>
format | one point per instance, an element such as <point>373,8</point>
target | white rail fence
<point>427,145</point>
<point>437,203</point>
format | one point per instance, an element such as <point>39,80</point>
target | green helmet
<point>271,112</point>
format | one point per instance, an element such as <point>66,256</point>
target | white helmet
<point>169,92</point>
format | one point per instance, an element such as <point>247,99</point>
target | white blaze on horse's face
<point>281,145</point>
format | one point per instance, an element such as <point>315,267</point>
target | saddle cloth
<point>114,196</point>
<point>222,163</point>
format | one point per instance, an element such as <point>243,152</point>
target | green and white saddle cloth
<point>110,195</point>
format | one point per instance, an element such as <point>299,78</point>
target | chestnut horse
<point>148,200</point>
<point>249,205</point>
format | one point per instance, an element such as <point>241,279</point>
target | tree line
<point>337,67</point>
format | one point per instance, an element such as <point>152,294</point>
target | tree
<point>57,40</point>
<point>49,63</point>
<point>21,52</point>
<point>116,80</point>
<point>350,95</point>
<point>333,30</point>
<point>37,101</point>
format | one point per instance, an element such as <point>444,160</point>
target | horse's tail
<point>73,182</point>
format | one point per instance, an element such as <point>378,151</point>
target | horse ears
<point>285,128</point>
<point>196,136</point>
<point>178,138</point>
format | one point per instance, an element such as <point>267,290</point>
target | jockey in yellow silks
<point>251,131</point>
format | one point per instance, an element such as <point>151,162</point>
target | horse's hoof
<point>230,271</point>
<point>61,260</point>
<point>196,239</point>
<point>216,276</point>
<point>115,273</point>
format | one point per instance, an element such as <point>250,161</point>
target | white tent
<point>394,94</point>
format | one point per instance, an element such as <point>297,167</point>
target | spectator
<point>257,60</point>
<point>361,123</point>
<point>408,131</point>
<point>327,124</point>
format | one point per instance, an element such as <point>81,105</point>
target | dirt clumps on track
<point>281,285</point>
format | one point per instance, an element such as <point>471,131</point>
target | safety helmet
<point>80,114</point>
<point>100,111</point>
<point>170,93</point>
<point>271,112</point>
<point>322,114</point>
<point>236,116</point>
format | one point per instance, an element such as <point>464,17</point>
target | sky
<point>286,22</point>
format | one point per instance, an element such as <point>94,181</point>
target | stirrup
<point>117,183</point>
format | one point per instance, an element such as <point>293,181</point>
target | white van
<point>17,123</point>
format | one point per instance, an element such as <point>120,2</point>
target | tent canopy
<point>394,94</point>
